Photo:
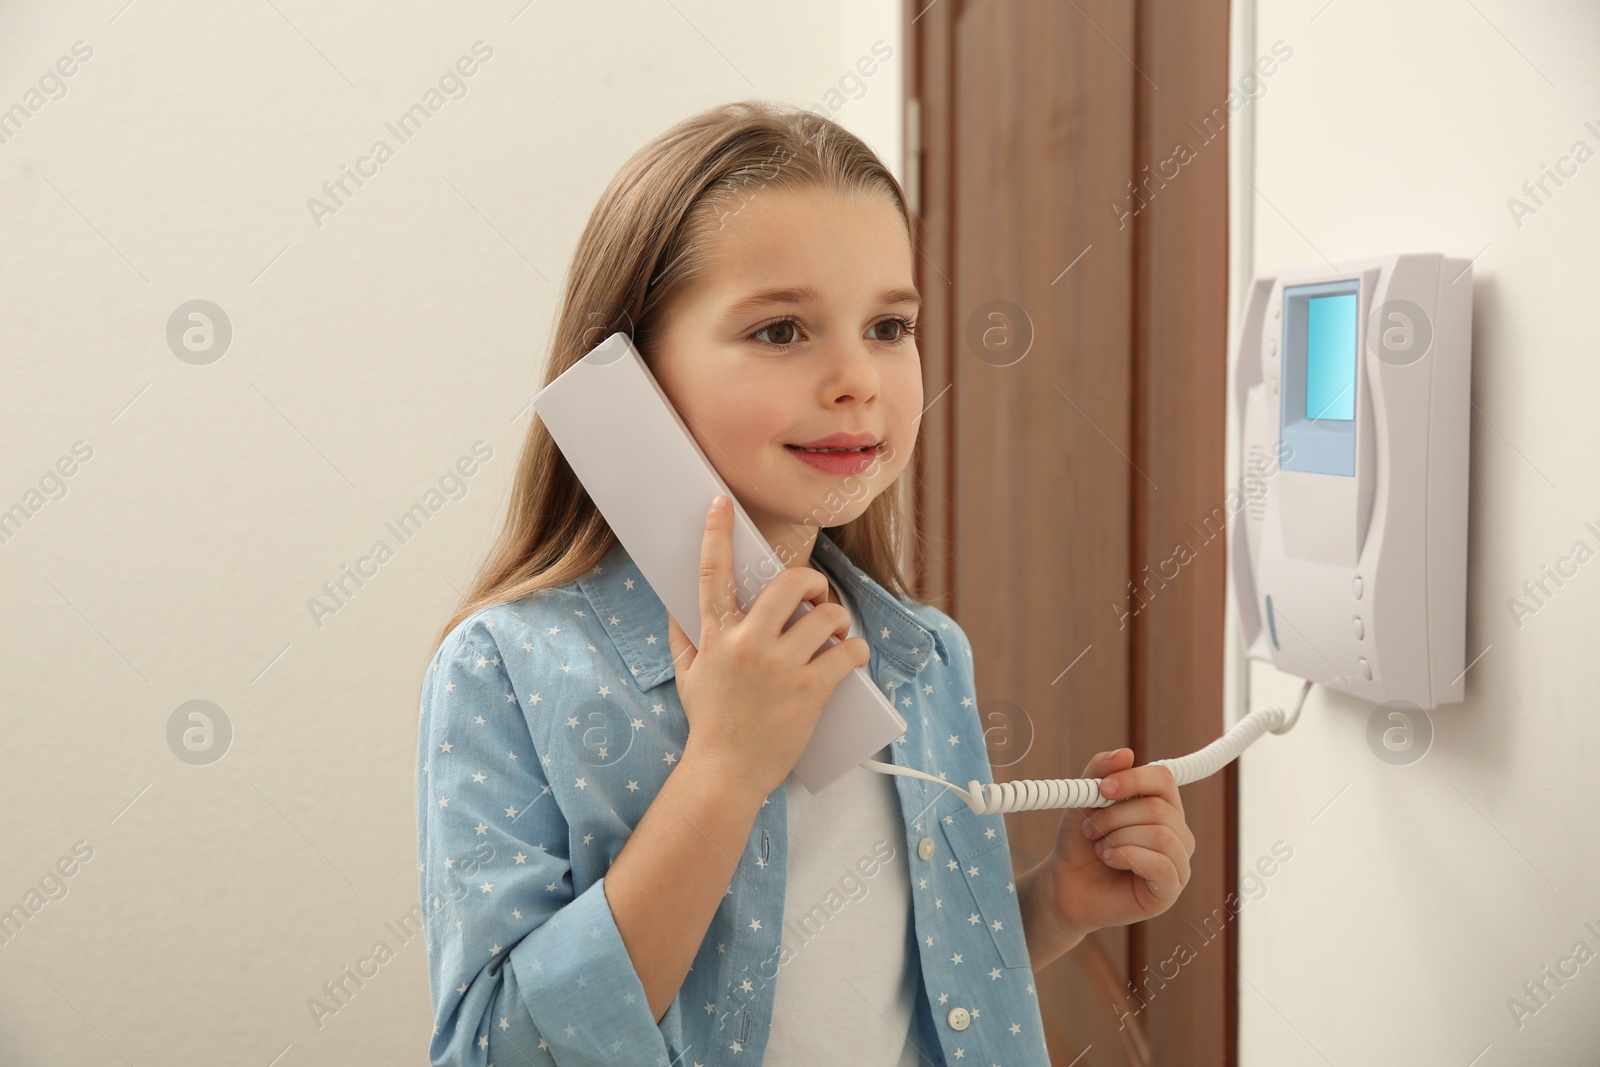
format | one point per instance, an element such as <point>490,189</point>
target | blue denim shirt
<point>547,730</point>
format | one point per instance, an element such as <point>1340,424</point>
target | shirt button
<point>959,1018</point>
<point>925,848</point>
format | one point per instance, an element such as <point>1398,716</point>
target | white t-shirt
<point>840,922</point>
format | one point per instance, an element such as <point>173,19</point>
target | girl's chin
<point>796,511</point>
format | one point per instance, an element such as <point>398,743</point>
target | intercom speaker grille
<point>1258,503</point>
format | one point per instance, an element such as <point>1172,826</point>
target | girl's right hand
<point>753,691</point>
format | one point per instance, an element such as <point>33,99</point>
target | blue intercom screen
<point>1331,357</point>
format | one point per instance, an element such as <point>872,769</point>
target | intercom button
<point>1356,586</point>
<point>1366,668</point>
<point>1360,631</point>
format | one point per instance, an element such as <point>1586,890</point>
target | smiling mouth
<point>863,448</point>
<point>837,462</point>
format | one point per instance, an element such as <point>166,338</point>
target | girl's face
<point>796,332</point>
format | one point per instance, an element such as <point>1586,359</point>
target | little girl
<point>619,871</point>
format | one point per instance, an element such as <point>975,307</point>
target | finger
<point>1149,837</point>
<point>776,604</point>
<point>1103,823</point>
<point>814,593</point>
<point>1154,867</point>
<point>1151,780</point>
<point>843,658</point>
<point>808,635</point>
<point>1108,762</point>
<point>1099,767</point>
<point>718,606</point>
<point>1095,823</point>
<point>1127,813</point>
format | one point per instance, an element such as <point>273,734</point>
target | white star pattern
<point>591,653</point>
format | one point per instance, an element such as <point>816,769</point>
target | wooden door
<point>1069,469</point>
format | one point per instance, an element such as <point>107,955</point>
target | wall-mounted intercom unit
<point>1352,381</point>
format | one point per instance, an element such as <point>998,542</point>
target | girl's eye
<point>786,330</point>
<point>908,328</point>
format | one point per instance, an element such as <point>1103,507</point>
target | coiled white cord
<point>1036,794</point>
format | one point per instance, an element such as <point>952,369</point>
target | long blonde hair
<point>645,240</point>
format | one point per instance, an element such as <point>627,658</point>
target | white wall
<point>1421,898</point>
<point>368,354</point>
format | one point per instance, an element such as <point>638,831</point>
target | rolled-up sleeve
<point>520,970</point>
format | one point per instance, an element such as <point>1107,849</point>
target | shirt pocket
<point>969,843</point>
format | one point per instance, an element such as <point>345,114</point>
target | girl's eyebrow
<point>809,294</point>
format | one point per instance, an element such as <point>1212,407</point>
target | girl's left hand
<point>1146,844</point>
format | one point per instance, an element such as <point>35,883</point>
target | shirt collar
<point>636,620</point>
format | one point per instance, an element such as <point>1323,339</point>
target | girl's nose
<point>855,375</point>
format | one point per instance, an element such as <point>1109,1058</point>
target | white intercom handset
<point>1352,384</point>
<point>650,479</point>
<point>647,475</point>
